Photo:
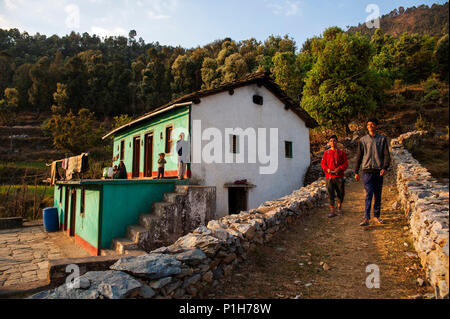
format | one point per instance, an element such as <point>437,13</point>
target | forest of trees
<point>422,20</point>
<point>333,76</point>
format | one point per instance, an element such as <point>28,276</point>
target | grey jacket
<point>373,153</point>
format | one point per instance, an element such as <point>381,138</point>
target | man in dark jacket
<point>334,163</point>
<point>373,158</point>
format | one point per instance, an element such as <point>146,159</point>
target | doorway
<point>148,170</point>
<point>136,156</point>
<point>66,207</point>
<point>237,200</point>
<point>73,212</point>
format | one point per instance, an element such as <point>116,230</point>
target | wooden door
<point>66,207</point>
<point>237,200</point>
<point>136,156</point>
<point>73,212</point>
<point>148,155</point>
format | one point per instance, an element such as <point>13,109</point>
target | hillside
<point>422,20</point>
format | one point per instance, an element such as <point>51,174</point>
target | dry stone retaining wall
<point>426,203</point>
<point>194,264</point>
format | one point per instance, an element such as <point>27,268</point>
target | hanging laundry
<point>53,173</point>
<point>84,162</point>
<point>71,167</point>
<point>65,163</point>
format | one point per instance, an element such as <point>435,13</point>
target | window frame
<point>83,202</point>
<point>122,150</point>
<point>167,140</point>
<point>234,144</point>
<point>288,149</point>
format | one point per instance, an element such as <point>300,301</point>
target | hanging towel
<point>53,173</point>
<point>71,168</point>
<point>65,163</point>
<point>84,162</point>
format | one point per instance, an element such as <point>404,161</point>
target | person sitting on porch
<point>115,172</point>
<point>122,171</point>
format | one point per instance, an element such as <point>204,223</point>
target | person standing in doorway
<point>373,158</point>
<point>183,151</point>
<point>334,163</point>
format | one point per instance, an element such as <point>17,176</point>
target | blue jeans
<point>373,184</point>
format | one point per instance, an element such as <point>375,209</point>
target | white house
<point>248,131</point>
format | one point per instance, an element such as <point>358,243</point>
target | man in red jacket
<point>334,163</point>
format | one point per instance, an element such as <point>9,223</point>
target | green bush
<point>422,124</point>
<point>398,99</point>
<point>398,83</point>
<point>432,96</point>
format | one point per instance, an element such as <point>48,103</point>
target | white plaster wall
<point>238,111</point>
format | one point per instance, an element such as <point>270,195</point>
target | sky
<point>192,23</point>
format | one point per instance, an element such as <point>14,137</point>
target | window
<point>258,99</point>
<point>169,141</point>
<point>122,150</point>
<point>60,194</point>
<point>288,149</point>
<point>234,144</point>
<point>82,202</point>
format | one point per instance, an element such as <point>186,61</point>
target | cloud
<point>12,4</point>
<point>284,7</point>
<point>160,9</point>
<point>102,32</point>
<point>157,16</point>
<point>7,24</point>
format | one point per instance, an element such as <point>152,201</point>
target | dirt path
<point>292,263</point>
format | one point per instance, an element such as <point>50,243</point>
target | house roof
<point>259,78</point>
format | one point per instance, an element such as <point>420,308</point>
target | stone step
<point>108,252</point>
<point>137,252</point>
<point>134,231</point>
<point>158,208</point>
<point>122,244</point>
<point>172,197</point>
<point>181,189</point>
<point>146,220</point>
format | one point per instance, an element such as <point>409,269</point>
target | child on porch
<point>161,163</point>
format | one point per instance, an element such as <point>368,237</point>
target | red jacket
<point>332,160</point>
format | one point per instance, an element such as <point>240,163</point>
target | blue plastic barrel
<point>51,221</point>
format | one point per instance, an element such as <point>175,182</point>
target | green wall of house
<point>86,225</point>
<point>110,206</point>
<point>123,203</point>
<point>178,118</point>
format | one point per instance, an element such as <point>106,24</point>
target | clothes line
<point>71,165</point>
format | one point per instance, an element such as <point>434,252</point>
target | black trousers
<point>160,172</point>
<point>336,187</point>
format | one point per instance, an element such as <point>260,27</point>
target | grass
<point>23,164</point>
<point>24,200</point>
<point>40,189</point>
<point>432,153</point>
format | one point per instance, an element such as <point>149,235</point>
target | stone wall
<point>426,203</point>
<point>194,264</point>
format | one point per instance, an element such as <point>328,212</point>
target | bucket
<point>51,220</point>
